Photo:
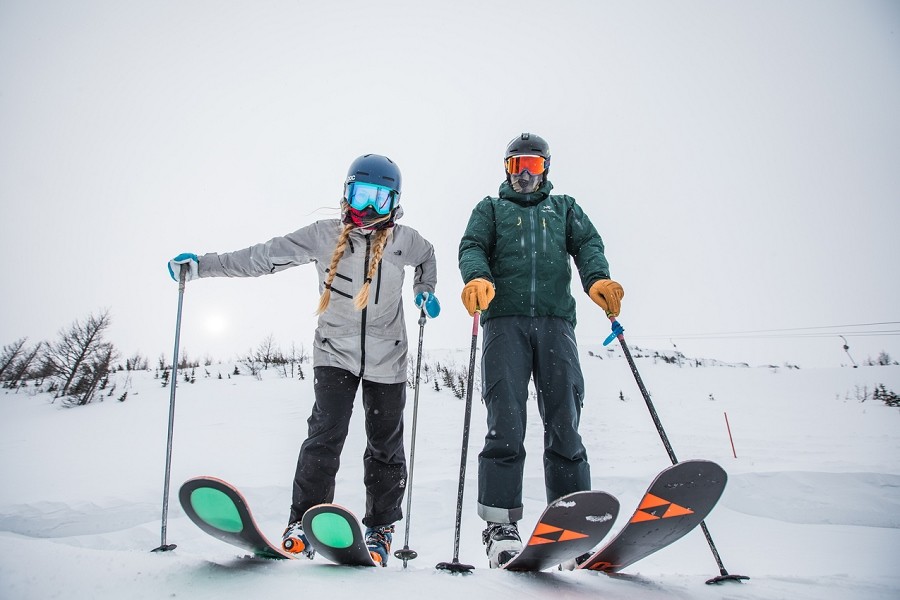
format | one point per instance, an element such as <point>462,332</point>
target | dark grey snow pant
<point>514,349</point>
<point>384,461</point>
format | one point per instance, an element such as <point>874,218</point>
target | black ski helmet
<point>377,169</point>
<point>530,144</point>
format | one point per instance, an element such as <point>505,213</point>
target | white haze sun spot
<point>216,323</point>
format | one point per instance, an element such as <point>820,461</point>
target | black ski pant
<point>514,349</point>
<point>384,460</point>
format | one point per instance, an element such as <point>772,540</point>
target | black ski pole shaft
<point>163,546</point>
<point>455,566</point>
<point>653,414</point>
<point>406,554</point>
<point>723,573</point>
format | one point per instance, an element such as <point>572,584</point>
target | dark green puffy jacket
<point>522,243</point>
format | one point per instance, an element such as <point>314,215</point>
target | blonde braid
<point>381,239</point>
<point>332,268</point>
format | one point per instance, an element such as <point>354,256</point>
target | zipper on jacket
<point>334,290</point>
<point>378,284</point>
<point>533,260</point>
<point>544,234</point>
<point>362,334</point>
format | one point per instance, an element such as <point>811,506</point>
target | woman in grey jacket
<point>360,338</point>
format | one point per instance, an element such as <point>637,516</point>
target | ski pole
<point>455,566</point>
<point>617,332</point>
<point>164,547</point>
<point>406,554</point>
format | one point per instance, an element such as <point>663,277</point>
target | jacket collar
<point>535,197</point>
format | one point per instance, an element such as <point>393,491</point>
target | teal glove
<point>190,260</point>
<point>430,303</point>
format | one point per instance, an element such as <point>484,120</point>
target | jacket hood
<point>535,197</point>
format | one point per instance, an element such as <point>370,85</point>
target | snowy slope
<point>811,510</point>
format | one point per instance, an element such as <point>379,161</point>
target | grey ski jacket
<point>371,343</point>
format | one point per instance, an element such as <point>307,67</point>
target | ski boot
<point>502,543</point>
<point>378,541</point>
<point>294,541</point>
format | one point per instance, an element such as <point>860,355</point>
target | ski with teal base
<point>335,533</point>
<point>220,510</point>
<point>677,501</point>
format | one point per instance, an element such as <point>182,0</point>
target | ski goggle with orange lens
<point>533,164</point>
<point>363,195</point>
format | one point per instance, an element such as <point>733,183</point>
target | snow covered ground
<point>811,511</point>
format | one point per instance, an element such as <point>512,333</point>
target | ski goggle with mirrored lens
<point>533,164</point>
<point>364,195</point>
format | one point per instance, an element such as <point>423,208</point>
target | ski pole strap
<point>617,330</point>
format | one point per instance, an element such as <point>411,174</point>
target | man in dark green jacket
<point>515,260</point>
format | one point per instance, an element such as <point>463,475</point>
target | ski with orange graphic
<point>569,527</point>
<point>678,500</point>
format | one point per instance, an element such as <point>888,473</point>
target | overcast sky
<point>740,159</point>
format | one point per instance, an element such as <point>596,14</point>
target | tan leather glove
<point>608,295</point>
<point>477,294</point>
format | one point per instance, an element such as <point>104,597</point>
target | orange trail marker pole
<point>731,439</point>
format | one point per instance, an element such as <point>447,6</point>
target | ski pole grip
<point>617,331</point>
<point>182,276</point>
